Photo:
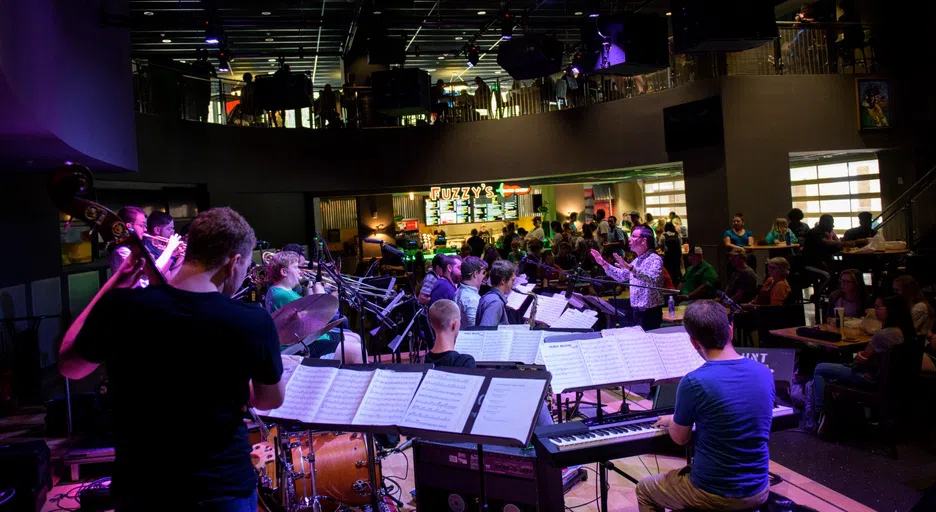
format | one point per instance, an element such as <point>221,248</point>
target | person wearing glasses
<point>646,270</point>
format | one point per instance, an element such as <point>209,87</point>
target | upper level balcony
<point>801,49</point>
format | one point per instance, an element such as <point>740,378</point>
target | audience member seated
<point>819,245</point>
<point>738,237</point>
<point>863,230</point>
<point>465,251</point>
<point>897,328</point>
<point>699,281</point>
<point>851,295</point>
<point>742,285</point>
<point>781,234</point>
<point>548,270</point>
<point>558,237</point>
<point>467,296</point>
<point>776,289</point>
<point>796,224</point>
<point>491,255</point>
<point>920,309</point>
<point>566,260</point>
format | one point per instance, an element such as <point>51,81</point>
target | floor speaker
<point>447,479</point>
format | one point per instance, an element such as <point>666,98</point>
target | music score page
<point>443,402</point>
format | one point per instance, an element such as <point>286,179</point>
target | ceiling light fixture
<point>441,57</point>
<point>167,40</point>
<point>271,60</point>
<point>579,13</point>
<point>269,39</point>
<point>669,14</point>
<point>507,25</point>
<point>482,13</point>
<point>223,65</point>
<point>431,69</point>
<point>378,12</point>
<point>147,13</point>
<point>473,57</point>
<point>458,38</point>
<point>265,13</point>
<point>412,196</point>
<point>213,33</point>
<point>498,72</point>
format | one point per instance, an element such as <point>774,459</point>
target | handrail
<point>897,202</point>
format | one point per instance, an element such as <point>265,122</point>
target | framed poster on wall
<point>874,101</point>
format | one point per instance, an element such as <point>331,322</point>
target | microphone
<point>386,247</point>
<point>727,300</point>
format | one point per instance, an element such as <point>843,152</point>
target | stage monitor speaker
<point>701,26</point>
<point>628,44</point>
<point>530,56</point>
<point>447,479</point>
<point>401,92</point>
<point>25,467</point>
<point>697,124</point>
<point>386,50</point>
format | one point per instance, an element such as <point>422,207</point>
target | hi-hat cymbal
<point>303,317</point>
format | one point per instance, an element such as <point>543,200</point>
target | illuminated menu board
<point>494,209</point>
<point>448,212</point>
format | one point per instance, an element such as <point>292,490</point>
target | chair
<point>764,319</point>
<point>900,369</point>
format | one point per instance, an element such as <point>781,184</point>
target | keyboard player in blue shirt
<point>730,400</point>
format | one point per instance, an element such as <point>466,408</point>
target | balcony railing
<point>801,49</point>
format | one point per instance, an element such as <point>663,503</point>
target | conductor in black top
<point>445,319</point>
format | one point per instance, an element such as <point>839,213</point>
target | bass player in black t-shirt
<point>180,384</point>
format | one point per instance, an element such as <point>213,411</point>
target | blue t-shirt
<point>443,289</point>
<point>739,240</point>
<point>731,403</point>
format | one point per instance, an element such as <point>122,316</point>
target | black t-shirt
<point>477,246</point>
<point>179,364</point>
<point>815,250</point>
<point>859,233</point>
<point>451,358</point>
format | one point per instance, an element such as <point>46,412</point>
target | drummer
<point>285,274</point>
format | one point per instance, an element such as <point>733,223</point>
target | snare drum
<point>341,468</point>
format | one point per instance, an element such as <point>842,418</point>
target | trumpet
<point>161,243</point>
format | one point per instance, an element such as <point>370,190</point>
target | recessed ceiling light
<point>482,13</point>
<point>271,60</point>
<point>497,72</point>
<point>578,13</point>
<point>669,14</point>
<point>167,40</point>
<point>377,12</point>
<point>265,13</point>
<point>431,69</point>
<point>441,57</point>
<point>182,61</point>
<point>269,39</point>
<point>458,38</point>
<point>147,13</point>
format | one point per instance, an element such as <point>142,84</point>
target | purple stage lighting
<point>211,40</point>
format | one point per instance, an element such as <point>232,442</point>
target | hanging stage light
<point>507,25</point>
<point>213,33</point>
<point>578,63</point>
<point>473,57</point>
<point>224,57</point>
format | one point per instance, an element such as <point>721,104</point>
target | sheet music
<point>470,342</point>
<point>574,319</point>
<point>513,327</point>
<point>677,353</point>
<point>496,345</point>
<point>525,346</point>
<point>565,363</point>
<point>343,397</point>
<point>515,300</point>
<point>622,331</point>
<point>387,398</point>
<point>443,402</point>
<point>604,361</point>
<point>640,353</point>
<point>548,309</point>
<point>520,280</point>
<point>305,392</point>
<point>508,408</point>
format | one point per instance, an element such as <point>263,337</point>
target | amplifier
<point>515,480</point>
<point>25,466</point>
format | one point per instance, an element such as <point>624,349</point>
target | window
<point>842,190</point>
<point>665,196</point>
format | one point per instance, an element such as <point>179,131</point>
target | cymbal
<point>298,347</point>
<point>304,316</point>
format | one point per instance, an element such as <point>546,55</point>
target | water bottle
<point>672,307</point>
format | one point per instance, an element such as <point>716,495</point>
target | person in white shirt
<point>467,295</point>
<point>537,231</point>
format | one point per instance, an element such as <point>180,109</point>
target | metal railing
<point>800,49</point>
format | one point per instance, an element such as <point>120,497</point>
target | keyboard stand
<point>604,466</point>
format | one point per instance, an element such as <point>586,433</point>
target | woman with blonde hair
<point>781,233</point>
<point>776,289</point>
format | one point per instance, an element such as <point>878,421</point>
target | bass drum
<point>341,469</point>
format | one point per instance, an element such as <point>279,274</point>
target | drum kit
<point>300,469</point>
